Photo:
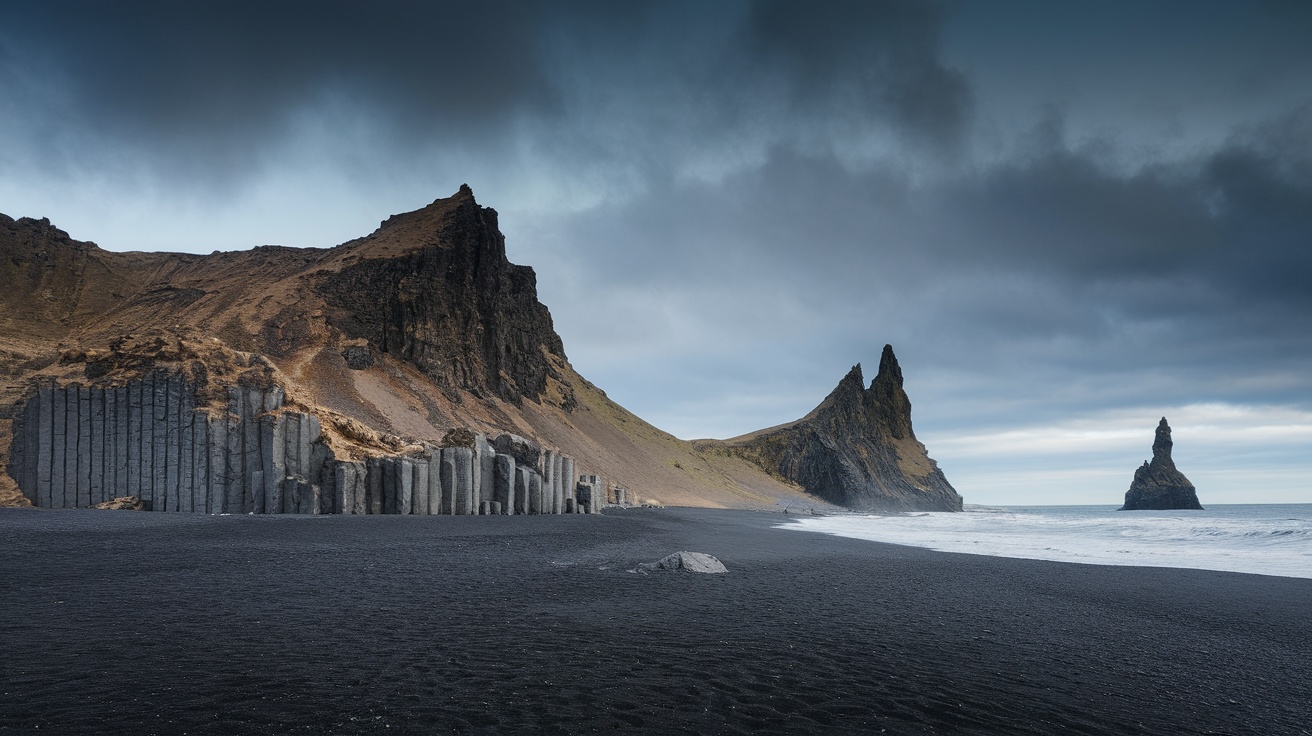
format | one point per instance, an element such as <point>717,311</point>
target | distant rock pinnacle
<point>1158,485</point>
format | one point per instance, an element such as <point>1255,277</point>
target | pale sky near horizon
<point>1069,220</point>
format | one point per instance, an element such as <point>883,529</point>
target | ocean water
<point>1266,539</point>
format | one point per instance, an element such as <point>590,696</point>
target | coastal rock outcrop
<point>279,380</point>
<point>410,357</point>
<point>1158,485</point>
<point>856,449</point>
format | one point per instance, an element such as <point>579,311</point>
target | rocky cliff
<point>449,302</point>
<point>856,449</point>
<point>1158,485</point>
<point>383,353</point>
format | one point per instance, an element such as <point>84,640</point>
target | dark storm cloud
<point>218,80</point>
<point>881,59</point>
<point>213,89</point>
<point>1238,218</point>
<point>1062,275</point>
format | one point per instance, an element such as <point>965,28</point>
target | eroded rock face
<point>450,302</point>
<point>1158,485</point>
<point>857,449</point>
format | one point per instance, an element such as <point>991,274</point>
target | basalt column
<point>217,480</point>
<point>419,488</point>
<point>95,452</point>
<point>568,482</point>
<point>486,458</point>
<point>82,499</point>
<point>435,480</point>
<point>405,478</point>
<point>186,438</point>
<point>535,497</point>
<point>59,424</point>
<point>462,478</point>
<point>558,484</point>
<point>548,468</point>
<point>75,446</point>
<point>504,483</point>
<point>121,411</point>
<point>521,489</point>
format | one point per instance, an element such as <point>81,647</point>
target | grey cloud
<point>881,58</point>
<point>1066,280</point>
<point>214,90</point>
<point>215,83</point>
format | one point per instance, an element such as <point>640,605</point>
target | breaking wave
<point>1266,539</point>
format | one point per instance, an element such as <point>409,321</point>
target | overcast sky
<point>1068,221</point>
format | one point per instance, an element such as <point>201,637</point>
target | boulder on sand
<point>690,561</point>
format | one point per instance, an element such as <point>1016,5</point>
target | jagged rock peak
<point>420,226</point>
<point>42,228</point>
<point>888,401</point>
<point>1158,485</point>
<point>1162,443</point>
<point>433,287</point>
<point>852,385</point>
<point>884,395</point>
<point>854,376</point>
<point>857,448</point>
<point>889,370</point>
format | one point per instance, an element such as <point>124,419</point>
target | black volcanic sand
<point>125,622</point>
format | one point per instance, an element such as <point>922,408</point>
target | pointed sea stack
<point>1158,485</point>
<point>856,449</point>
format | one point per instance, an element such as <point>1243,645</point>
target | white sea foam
<point>1273,539</point>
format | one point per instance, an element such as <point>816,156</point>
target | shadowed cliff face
<point>454,306</point>
<point>857,448</point>
<point>1158,485</point>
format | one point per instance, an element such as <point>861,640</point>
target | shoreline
<point>1258,539</point>
<point>162,623</point>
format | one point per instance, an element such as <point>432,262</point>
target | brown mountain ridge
<point>419,335</point>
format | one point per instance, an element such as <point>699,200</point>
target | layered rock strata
<point>857,448</point>
<point>1158,485</point>
<point>77,446</point>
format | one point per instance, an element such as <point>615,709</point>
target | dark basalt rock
<point>1158,485</point>
<point>526,452</point>
<point>451,303</point>
<point>856,449</point>
<point>358,357</point>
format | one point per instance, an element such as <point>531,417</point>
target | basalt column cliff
<point>409,371</point>
<point>283,380</point>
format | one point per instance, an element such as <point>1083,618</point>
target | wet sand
<point>123,622</point>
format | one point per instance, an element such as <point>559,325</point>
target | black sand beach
<point>123,622</point>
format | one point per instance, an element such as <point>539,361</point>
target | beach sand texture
<point>122,622</point>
